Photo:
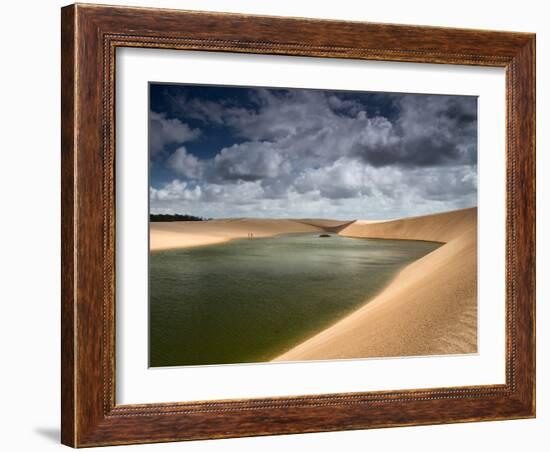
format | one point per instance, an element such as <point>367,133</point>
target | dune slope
<point>440,227</point>
<point>429,308</point>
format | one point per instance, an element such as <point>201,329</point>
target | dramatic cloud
<point>185,164</point>
<point>250,161</point>
<point>431,130</point>
<point>276,152</point>
<point>164,131</point>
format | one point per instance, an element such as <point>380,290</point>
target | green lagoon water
<point>251,300</point>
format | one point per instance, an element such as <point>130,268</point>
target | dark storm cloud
<point>429,131</point>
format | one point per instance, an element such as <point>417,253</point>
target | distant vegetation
<point>174,217</point>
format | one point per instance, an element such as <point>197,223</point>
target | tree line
<point>174,217</point>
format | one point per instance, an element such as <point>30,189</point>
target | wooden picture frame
<point>90,36</point>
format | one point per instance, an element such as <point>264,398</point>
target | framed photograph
<point>281,225</point>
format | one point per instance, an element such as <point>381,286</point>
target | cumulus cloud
<point>343,179</point>
<point>176,191</point>
<point>250,161</point>
<point>185,164</point>
<point>164,131</point>
<point>364,192</point>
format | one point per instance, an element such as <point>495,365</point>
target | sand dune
<point>441,227</point>
<point>429,308</point>
<point>185,234</point>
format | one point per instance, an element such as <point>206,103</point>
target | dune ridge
<point>429,308</point>
<point>326,225</point>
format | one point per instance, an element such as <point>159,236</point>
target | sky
<point>221,152</point>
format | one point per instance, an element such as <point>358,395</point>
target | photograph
<point>294,224</point>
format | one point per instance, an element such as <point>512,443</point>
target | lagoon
<point>248,301</point>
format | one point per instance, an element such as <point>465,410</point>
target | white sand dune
<point>185,234</point>
<point>439,227</point>
<point>429,308</point>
